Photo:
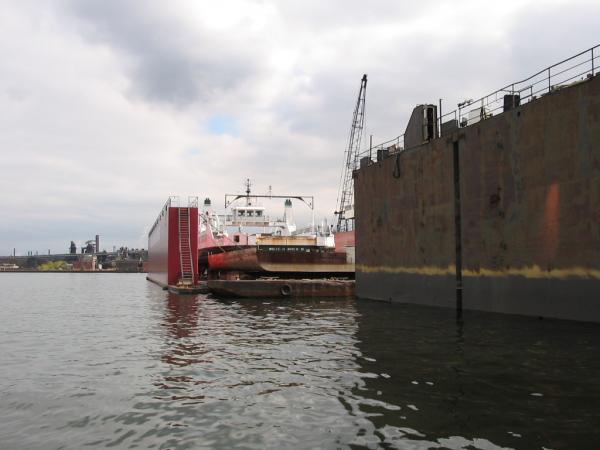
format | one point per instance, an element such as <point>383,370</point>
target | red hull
<point>344,239</point>
<point>256,260</point>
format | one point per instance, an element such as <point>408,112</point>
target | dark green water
<point>98,360</point>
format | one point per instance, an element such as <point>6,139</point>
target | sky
<point>108,107</point>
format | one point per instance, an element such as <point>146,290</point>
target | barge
<point>282,288</point>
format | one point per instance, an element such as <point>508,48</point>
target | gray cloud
<point>319,16</point>
<point>551,33</point>
<point>166,60</point>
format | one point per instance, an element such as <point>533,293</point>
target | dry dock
<point>500,215</point>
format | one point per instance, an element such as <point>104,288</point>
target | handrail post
<point>549,82</point>
<point>440,119</point>
<point>592,61</point>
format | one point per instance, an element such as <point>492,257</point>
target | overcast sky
<point>108,107</point>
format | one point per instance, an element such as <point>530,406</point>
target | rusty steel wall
<point>529,183</point>
<point>404,224</point>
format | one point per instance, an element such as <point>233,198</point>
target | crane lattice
<point>345,212</point>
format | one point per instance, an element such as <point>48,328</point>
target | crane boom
<point>345,212</point>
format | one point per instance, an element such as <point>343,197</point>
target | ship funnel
<point>288,213</point>
<point>288,216</point>
<point>206,205</point>
<point>422,126</point>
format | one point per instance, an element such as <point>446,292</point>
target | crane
<point>345,212</point>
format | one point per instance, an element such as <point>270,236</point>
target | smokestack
<point>288,218</point>
<point>97,243</point>
<point>288,215</point>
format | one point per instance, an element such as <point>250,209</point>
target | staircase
<point>185,248</point>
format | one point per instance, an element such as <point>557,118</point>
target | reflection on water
<point>258,374</point>
<point>112,361</point>
<point>486,381</point>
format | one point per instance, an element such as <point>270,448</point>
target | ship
<point>494,206</point>
<point>278,250</point>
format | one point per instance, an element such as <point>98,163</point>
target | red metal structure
<point>173,245</point>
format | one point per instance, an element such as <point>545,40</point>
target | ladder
<point>185,248</point>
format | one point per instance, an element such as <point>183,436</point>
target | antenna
<point>248,185</point>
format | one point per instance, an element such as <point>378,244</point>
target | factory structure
<point>86,258</point>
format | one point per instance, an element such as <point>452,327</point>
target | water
<point>112,361</point>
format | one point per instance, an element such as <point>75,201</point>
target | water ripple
<point>112,361</point>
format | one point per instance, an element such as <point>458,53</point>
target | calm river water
<point>110,360</point>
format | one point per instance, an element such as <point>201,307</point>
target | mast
<point>345,210</point>
<point>248,185</point>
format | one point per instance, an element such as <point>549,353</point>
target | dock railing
<point>173,201</point>
<point>568,72</point>
<point>552,78</point>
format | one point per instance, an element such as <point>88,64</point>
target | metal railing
<point>559,75</point>
<point>565,73</point>
<point>173,201</point>
<point>392,146</point>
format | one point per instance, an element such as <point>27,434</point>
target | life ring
<point>286,290</point>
